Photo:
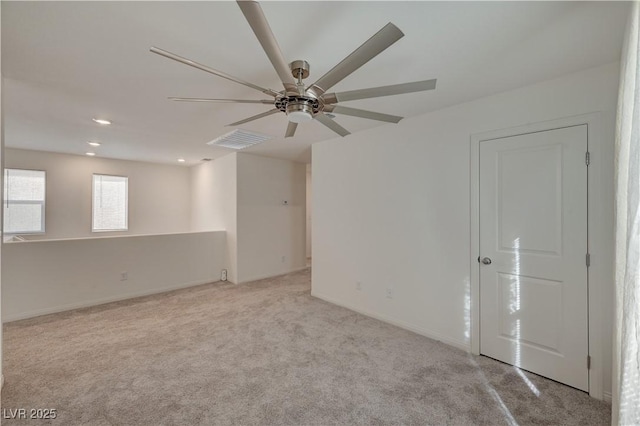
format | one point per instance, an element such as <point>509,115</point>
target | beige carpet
<point>264,353</point>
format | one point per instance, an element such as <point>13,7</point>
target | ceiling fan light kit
<point>303,103</point>
<point>299,116</point>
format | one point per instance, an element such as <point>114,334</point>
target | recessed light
<point>101,121</point>
<point>91,154</point>
<point>94,143</point>
<point>181,160</point>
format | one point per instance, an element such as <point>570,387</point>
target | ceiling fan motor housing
<point>302,106</point>
<point>297,108</point>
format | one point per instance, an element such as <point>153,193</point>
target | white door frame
<point>597,273</point>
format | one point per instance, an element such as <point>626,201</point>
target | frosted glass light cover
<point>299,116</point>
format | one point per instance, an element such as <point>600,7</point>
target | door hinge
<point>588,259</point>
<point>587,158</point>
<point>588,362</point>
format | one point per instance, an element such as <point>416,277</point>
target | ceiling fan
<point>303,103</point>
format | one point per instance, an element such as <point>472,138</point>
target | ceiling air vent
<point>239,139</point>
<point>206,159</point>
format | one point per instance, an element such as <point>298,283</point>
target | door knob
<point>486,261</point>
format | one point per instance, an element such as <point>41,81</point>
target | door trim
<point>596,235</point>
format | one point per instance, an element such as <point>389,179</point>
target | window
<point>24,201</point>
<point>110,202</point>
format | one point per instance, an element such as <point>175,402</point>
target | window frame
<point>6,201</point>
<point>126,201</point>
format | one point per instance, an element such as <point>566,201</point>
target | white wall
<point>271,235</point>
<point>1,181</point>
<point>158,194</point>
<point>391,205</point>
<point>214,204</point>
<point>309,198</point>
<point>41,277</point>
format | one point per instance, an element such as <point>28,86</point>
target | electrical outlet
<point>124,275</point>
<point>223,275</point>
<point>358,285</point>
<point>389,293</point>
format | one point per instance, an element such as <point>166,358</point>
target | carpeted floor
<point>264,353</point>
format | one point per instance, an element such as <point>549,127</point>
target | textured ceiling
<point>66,62</point>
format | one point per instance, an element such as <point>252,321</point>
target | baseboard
<point>102,301</point>
<point>264,277</point>
<point>398,323</point>
<point>606,396</point>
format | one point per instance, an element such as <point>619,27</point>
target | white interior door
<point>533,246</point>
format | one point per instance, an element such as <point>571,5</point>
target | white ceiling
<point>66,62</point>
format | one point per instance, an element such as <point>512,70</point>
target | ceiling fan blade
<point>236,101</point>
<point>210,70</point>
<point>322,118</point>
<point>291,129</point>
<point>260,26</point>
<point>384,38</point>
<point>354,112</point>
<point>255,117</point>
<point>376,92</point>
